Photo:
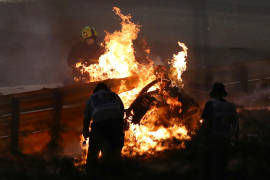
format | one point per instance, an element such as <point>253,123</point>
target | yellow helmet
<point>88,32</point>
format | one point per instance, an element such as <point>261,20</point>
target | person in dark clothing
<point>105,110</point>
<point>220,126</point>
<point>86,52</point>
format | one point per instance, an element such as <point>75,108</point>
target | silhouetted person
<point>87,52</point>
<point>106,110</point>
<point>219,127</point>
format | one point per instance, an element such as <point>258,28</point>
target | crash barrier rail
<point>47,119</point>
<point>51,119</point>
<point>245,76</point>
<point>247,85</point>
<point>234,74</point>
<point>199,90</point>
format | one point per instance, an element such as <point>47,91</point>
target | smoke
<point>38,34</point>
<point>259,98</point>
<point>30,54</point>
<point>15,1</point>
<point>36,37</point>
<point>158,61</point>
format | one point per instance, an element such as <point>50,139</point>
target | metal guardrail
<point>52,110</point>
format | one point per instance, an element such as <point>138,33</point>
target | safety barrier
<point>48,120</point>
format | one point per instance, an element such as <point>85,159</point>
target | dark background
<point>37,35</point>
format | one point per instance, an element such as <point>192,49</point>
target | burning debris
<point>158,120</point>
<point>159,114</point>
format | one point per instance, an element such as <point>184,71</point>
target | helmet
<point>88,32</point>
<point>218,89</point>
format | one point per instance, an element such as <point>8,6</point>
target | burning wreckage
<point>159,114</point>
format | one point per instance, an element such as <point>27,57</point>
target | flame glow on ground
<point>119,61</point>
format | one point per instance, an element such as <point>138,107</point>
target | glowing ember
<point>100,154</point>
<point>119,61</point>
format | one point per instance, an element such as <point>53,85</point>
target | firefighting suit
<point>220,126</point>
<point>106,110</point>
<point>84,53</point>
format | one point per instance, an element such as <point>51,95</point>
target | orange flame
<point>118,61</point>
<point>178,66</point>
<point>147,138</point>
<point>84,147</point>
<point>100,154</point>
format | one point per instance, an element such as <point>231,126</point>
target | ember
<point>154,114</point>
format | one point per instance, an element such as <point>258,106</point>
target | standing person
<point>87,52</point>
<point>106,110</point>
<point>219,127</point>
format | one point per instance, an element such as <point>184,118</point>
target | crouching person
<point>106,110</point>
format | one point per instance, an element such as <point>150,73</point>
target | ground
<point>249,159</point>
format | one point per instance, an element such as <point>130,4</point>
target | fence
<point>47,120</point>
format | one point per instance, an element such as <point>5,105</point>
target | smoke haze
<point>36,35</point>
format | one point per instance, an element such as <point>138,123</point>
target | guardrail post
<point>15,125</point>
<point>55,130</point>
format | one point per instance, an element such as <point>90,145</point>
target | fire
<point>84,146</point>
<point>146,138</point>
<point>178,65</point>
<point>100,154</point>
<point>119,61</point>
